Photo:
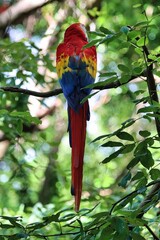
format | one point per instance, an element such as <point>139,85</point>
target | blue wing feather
<point>74,80</point>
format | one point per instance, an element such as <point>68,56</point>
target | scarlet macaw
<point>76,68</point>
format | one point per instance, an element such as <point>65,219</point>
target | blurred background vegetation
<point>122,165</point>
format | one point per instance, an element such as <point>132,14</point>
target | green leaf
<point>152,57</point>
<point>2,238</point>
<point>136,236</point>
<point>105,30</point>
<point>121,228</point>
<point>124,180</point>
<point>3,112</point>
<point>15,223</point>
<point>25,116</point>
<point>92,43</point>
<point>112,144</point>
<point>148,109</point>
<point>154,173</point>
<point>6,226</point>
<point>140,149</point>
<point>124,78</point>
<point>137,70</point>
<point>128,123</point>
<point>123,68</point>
<point>101,83</point>
<point>143,23</point>
<point>99,138</point>
<point>128,148</point>
<point>147,160</point>
<point>125,136</point>
<point>108,231</point>
<point>137,5</point>
<point>18,236</point>
<point>109,38</point>
<point>139,51</point>
<point>19,126</point>
<point>142,41</point>
<point>144,133</point>
<point>52,218</point>
<point>133,162</point>
<point>141,186</point>
<point>107,74</point>
<point>143,99</point>
<point>124,202</point>
<point>136,221</point>
<point>94,12</point>
<point>133,34</point>
<point>97,33</point>
<point>138,175</point>
<point>88,96</point>
<point>100,215</point>
<point>142,189</point>
<point>113,156</point>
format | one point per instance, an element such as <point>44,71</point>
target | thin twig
<point>130,194</point>
<point>152,233</point>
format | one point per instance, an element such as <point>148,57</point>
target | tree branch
<point>20,9</point>
<point>151,85</point>
<point>152,233</point>
<point>137,192</point>
<point>56,92</point>
<point>153,98</point>
<point>32,93</point>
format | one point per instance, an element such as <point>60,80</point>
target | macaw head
<point>76,30</point>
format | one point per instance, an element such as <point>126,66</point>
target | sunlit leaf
<point>155,173</point>
<point>123,68</point>
<point>137,5</point>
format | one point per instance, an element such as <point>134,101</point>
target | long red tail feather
<point>78,122</point>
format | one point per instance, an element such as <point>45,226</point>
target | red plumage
<point>76,68</point>
<point>78,135</point>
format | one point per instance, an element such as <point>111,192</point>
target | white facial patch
<point>84,30</point>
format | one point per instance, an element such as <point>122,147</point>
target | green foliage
<point>35,200</point>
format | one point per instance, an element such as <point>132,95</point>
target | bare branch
<point>57,91</point>
<point>19,10</point>
<point>32,93</point>
<point>152,233</point>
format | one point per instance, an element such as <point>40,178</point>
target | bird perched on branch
<point>76,68</point>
